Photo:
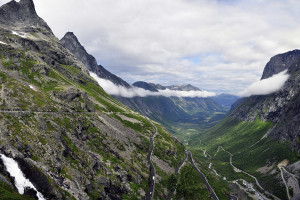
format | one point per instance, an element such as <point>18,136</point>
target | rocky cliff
<point>71,42</point>
<point>22,16</point>
<point>259,141</point>
<point>280,63</point>
<point>282,107</point>
<point>70,138</point>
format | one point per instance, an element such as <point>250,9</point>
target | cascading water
<point>21,182</point>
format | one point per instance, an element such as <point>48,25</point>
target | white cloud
<point>134,38</point>
<point>266,86</point>
<point>113,89</point>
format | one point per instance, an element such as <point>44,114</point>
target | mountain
<point>71,43</point>
<point>155,87</point>
<point>70,138</point>
<point>203,112</point>
<point>261,136</point>
<point>280,63</point>
<point>148,86</point>
<point>186,87</point>
<point>281,108</point>
<point>225,100</point>
<point>17,14</point>
<point>180,115</point>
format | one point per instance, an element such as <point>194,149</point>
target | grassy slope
<point>25,129</point>
<point>185,129</point>
<point>237,137</point>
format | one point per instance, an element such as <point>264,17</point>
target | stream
<point>21,182</point>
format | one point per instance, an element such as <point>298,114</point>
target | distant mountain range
<point>155,87</point>
<point>167,110</point>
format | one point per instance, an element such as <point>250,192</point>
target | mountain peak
<point>71,35</point>
<point>147,86</point>
<point>71,42</point>
<point>184,87</point>
<point>21,15</point>
<point>28,6</point>
<point>280,63</point>
<point>155,87</point>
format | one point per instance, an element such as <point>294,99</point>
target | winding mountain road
<point>43,112</point>
<point>239,170</point>
<point>176,172</point>
<point>213,194</point>
<point>151,183</point>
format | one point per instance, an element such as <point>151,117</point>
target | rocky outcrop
<point>71,42</point>
<point>280,63</point>
<point>282,107</point>
<point>23,16</point>
<point>70,138</point>
<point>74,99</point>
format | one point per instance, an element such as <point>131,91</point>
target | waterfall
<point>21,182</point>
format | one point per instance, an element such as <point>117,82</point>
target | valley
<point>74,130</point>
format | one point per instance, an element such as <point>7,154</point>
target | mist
<point>122,91</point>
<point>266,86</point>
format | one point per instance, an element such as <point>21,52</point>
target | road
<point>176,171</point>
<point>231,197</point>
<point>239,170</point>
<point>213,194</point>
<point>293,181</point>
<point>284,181</point>
<point>43,112</point>
<point>151,183</point>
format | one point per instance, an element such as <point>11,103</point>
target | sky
<point>216,45</point>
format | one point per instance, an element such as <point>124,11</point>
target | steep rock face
<point>282,107</point>
<point>280,63</point>
<point>71,42</point>
<point>71,139</point>
<point>19,13</point>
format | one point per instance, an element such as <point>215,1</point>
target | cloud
<point>116,90</point>
<point>266,86</point>
<point>202,42</point>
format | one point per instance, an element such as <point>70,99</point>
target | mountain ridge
<point>279,106</point>
<point>159,108</point>
<point>155,87</point>
<point>70,138</point>
<point>71,42</point>
<point>20,13</point>
<point>279,63</point>
<point>260,138</point>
